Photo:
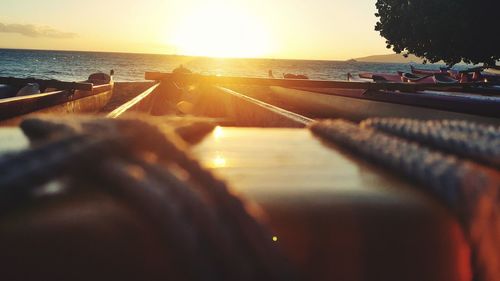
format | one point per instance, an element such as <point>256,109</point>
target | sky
<point>292,29</point>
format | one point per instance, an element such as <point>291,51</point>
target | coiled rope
<point>469,140</point>
<point>209,230</point>
<point>471,190</point>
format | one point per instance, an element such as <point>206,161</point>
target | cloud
<point>31,30</point>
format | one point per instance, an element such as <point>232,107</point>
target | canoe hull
<point>357,109</point>
<point>13,110</point>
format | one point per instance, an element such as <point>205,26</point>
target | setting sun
<point>218,30</point>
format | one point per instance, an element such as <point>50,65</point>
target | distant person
<point>270,73</point>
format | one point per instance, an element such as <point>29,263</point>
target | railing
<point>135,103</point>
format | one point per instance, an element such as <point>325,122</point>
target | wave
<point>73,66</point>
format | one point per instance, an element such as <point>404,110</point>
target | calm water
<point>75,66</point>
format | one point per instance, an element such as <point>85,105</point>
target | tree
<point>448,30</point>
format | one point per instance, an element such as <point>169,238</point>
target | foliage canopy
<point>448,30</point>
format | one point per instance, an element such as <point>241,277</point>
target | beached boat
<point>442,70</point>
<point>435,78</point>
<point>381,77</point>
<point>405,77</point>
<point>22,96</point>
<point>492,71</point>
<point>361,100</point>
<point>360,104</point>
<point>330,212</point>
<point>475,74</point>
<point>423,77</point>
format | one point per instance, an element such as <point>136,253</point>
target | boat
<point>360,100</point>
<point>474,74</point>
<point>437,78</point>
<point>356,104</point>
<point>22,96</point>
<point>492,70</point>
<point>482,83</point>
<point>381,77</point>
<point>412,78</point>
<point>405,77</point>
<point>442,70</point>
<point>353,78</point>
<point>444,79</point>
<point>242,202</point>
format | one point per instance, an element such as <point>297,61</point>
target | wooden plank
<point>333,215</point>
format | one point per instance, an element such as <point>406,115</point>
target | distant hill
<point>395,58</point>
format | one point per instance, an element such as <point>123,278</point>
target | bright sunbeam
<point>217,30</point>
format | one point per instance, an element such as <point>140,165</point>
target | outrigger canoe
<point>22,96</point>
<point>330,213</point>
<point>475,74</point>
<point>442,70</point>
<point>422,78</point>
<point>333,216</point>
<point>359,100</point>
<point>356,105</point>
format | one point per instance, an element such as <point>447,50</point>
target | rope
<point>209,231</point>
<point>469,189</point>
<point>469,140</point>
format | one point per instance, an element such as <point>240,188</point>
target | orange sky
<point>314,29</point>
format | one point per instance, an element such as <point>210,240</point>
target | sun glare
<point>217,30</point>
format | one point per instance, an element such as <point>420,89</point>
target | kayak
<point>22,96</point>
<point>358,100</point>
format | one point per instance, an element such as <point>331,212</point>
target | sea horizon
<point>174,54</point>
<point>77,65</point>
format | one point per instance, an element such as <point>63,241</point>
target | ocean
<point>76,66</point>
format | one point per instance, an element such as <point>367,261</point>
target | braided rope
<point>147,135</point>
<point>469,140</point>
<point>33,167</point>
<point>209,230</point>
<point>469,189</point>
